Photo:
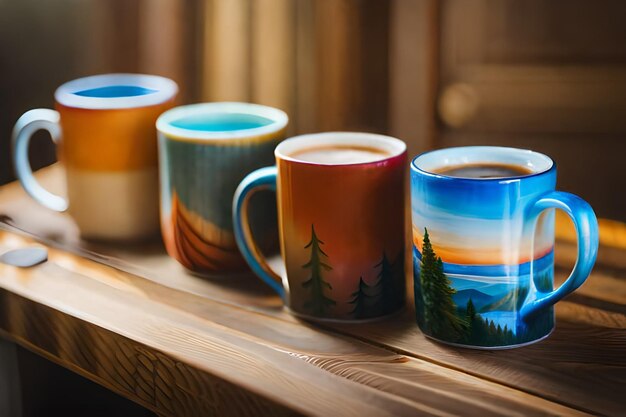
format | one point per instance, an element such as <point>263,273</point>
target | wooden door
<point>544,75</point>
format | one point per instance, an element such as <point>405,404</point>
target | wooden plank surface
<point>121,323</point>
<point>136,323</point>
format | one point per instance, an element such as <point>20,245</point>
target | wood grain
<point>185,355</point>
<point>581,364</point>
<point>132,320</point>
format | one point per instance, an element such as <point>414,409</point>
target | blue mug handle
<point>261,179</point>
<point>586,225</point>
<point>29,123</point>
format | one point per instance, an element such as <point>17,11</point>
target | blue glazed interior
<point>114,91</point>
<point>221,122</point>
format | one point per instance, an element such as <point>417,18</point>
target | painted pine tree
<point>385,286</point>
<point>471,310</point>
<point>359,301</point>
<point>440,311</point>
<point>470,314</point>
<point>417,291</point>
<point>318,303</point>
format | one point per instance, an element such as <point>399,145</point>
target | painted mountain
<point>511,301</point>
<point>479,299</point>
<point>496,292</point>
<point>505,301</point>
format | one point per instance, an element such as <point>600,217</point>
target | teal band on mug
<point>205,151</point>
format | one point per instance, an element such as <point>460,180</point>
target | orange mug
<point>104,127</point>
<point>341,202</point>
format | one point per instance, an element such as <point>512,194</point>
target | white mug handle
<point>25,127</point>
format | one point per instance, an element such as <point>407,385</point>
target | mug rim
<point>396,147</point>
<point>550,167</point>
<point>164,90</point>
<point>279,120</point>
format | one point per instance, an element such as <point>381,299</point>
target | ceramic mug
<point>104,127</point>
<point>205,150</point>
<point>483,248</point>
<point>341,226</point>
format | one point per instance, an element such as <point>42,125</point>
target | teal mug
<point>205,150</point>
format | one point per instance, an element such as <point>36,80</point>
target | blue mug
<point>483,245</point>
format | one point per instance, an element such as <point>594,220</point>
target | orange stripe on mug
<point>111,139</point>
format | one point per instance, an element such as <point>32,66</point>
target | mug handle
<point>586,225</point>
<point>261,179</point>
<point>25,127</point>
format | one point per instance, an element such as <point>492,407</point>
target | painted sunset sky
<point>459,237</point>
<point>357,211</point>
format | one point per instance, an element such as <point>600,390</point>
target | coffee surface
<point>484,170</point>
<point>340,155</point>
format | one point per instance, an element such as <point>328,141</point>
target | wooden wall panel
<point>538,67</point>
<point>413,66</point>
<point>324,62</point>
<point>351,62</point>
<point>167,42</point>
<point>374,42</point>
<point>226,64</point>
<point>119,38</point>
<point>273,50</point>
<point>305,113</point>
<point>336,30</point>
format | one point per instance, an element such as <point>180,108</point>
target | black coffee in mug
<point>484,170</point>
